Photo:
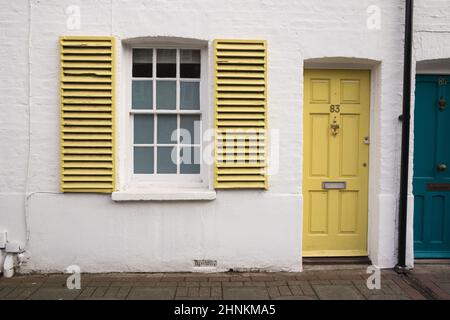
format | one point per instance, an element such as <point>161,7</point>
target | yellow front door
<point>335,162</point>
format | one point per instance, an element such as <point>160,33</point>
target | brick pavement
<point>350,284</point>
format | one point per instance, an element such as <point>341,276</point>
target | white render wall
<point>240,229</point>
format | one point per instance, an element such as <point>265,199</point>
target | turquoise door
<point>431,181</point>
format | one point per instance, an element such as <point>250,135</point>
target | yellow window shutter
<point>87,114</point>
<point>240,113</point>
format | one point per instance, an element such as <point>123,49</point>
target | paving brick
<point>27,292</point>
<point>100,291</point>
<point>216,292</point>
<point>87,291</point>
<point>340,281</point>
<point>232,284</point>
<point>172,279</point>
<point>285,291</point>
<point>181,292</point>
<point>307,289</point>
<point>111,292</point>
<point>151,283</point>
<point>121,283</point>
<point>245,293</point>
<point>52,293</point>
<point>388,297</point>
<point>217,278</point>
<point>204,292</point>
<point>445,286</point>
<point>262,277</point>
<point>151,293</point>
<point>306,276</point>
<point>328,275</point>
<point>187,284</point>
<point>411,292</point>
<point>239,278</point>
<point>193,292</point>
<point>313,282</point>
<point>295,282</point>
<point>15,293</point>
<point>296,290</point>
<point>276,283</point>
<point>255,284</point>
<point>196,278</point>
<point>273,292</point>
<point>336,292</point>
<point>163,284</point>
<point>296,298</point>
<point>123,292</point>
<point>390,287</point>
<point>211,284</point>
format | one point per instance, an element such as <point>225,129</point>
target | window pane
<point>190,129</point>
<point>167,160</point>
<point>166,95</point>
<point>142,63</point>
<point>142,94</point>
<point>143,128</point>
<point>167,126</point>
<point>189,95</point>
<point>190,160</point>
<point>166,63</point>
<point>143,160</point>
<point>190,63</point>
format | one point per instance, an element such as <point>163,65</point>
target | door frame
<point>373,209</point>
<point>423,68</point>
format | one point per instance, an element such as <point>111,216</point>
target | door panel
<point>336,121</point>
<point>431,181</point>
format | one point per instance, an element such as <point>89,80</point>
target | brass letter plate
<point>334,185</point>
<point>438,186</point>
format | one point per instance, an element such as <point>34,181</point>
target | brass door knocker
<point>334,127</point>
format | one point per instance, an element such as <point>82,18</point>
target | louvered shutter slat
<point>87,114</point>
<point>240,114</point>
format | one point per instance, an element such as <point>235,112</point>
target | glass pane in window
<point>166,95</point>
<point>142,63</point>
<point>167,160</point>
<point>190,160</point>
<point>190,129</point>
<point>142,94</point>
<point>167,127</point>
<point>190,63</point>
<point>166,63</point>
<point>143,129</point>
<point>143,160</point>
<point>189,95</point>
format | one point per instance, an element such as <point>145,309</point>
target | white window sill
<point>164,194</point>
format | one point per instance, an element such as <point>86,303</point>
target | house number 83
<point>335,108</point>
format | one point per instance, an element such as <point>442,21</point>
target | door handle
<point>442,104</point>
<point>441,167</point>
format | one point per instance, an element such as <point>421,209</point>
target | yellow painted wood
<point>335,221</point>
<point>87,96</point>
<point>240,113</point>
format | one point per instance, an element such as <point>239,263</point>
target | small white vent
<point>205,263</point>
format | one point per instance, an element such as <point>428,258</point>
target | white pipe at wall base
<point>8,266</point>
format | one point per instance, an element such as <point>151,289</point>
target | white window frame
<point>127,178</point>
